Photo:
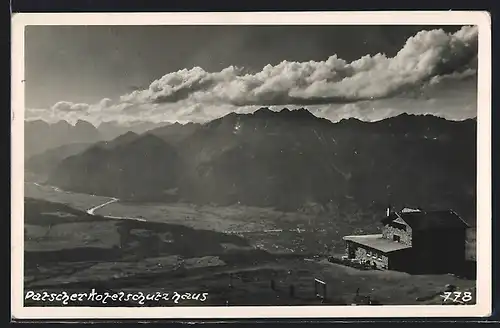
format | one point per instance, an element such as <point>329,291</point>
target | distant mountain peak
<point>37,123</point>
<point>127,136</point>
<point>61,123</point>
<point>41,135</point>
<point>129,133</point>
<point>400,119</point>
<point>406,115</point>
<point>82,122</point>
<point>298,113</point>
<point>264,112</point>
<point>350,120</point>
<point>302,113</point>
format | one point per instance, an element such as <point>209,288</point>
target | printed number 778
<point>457,296</point>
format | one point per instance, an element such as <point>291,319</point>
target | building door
<point>351,253</point>
<point>396,238</point>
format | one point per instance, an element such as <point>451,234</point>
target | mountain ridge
<point>274,159</point>
<point>40,136</point>
<point>259,111</point>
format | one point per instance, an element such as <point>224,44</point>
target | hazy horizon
<point>132,123</point>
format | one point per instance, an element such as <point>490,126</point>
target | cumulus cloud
<point>425,55</point>
<point>66,106</point>
<point>427,59</point>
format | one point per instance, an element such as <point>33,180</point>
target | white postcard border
<point>484,213</point>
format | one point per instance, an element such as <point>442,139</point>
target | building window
<point>399,226</point>
<point>396,238</point>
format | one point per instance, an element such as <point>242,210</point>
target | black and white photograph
<point>206,166</point>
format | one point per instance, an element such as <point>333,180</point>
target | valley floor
<point>231,253</point>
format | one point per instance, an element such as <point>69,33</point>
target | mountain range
<point>291,160</point>
<point>111,130</point>
<point>40,136</point>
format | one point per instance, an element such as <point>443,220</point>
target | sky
<point>199,73</point>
